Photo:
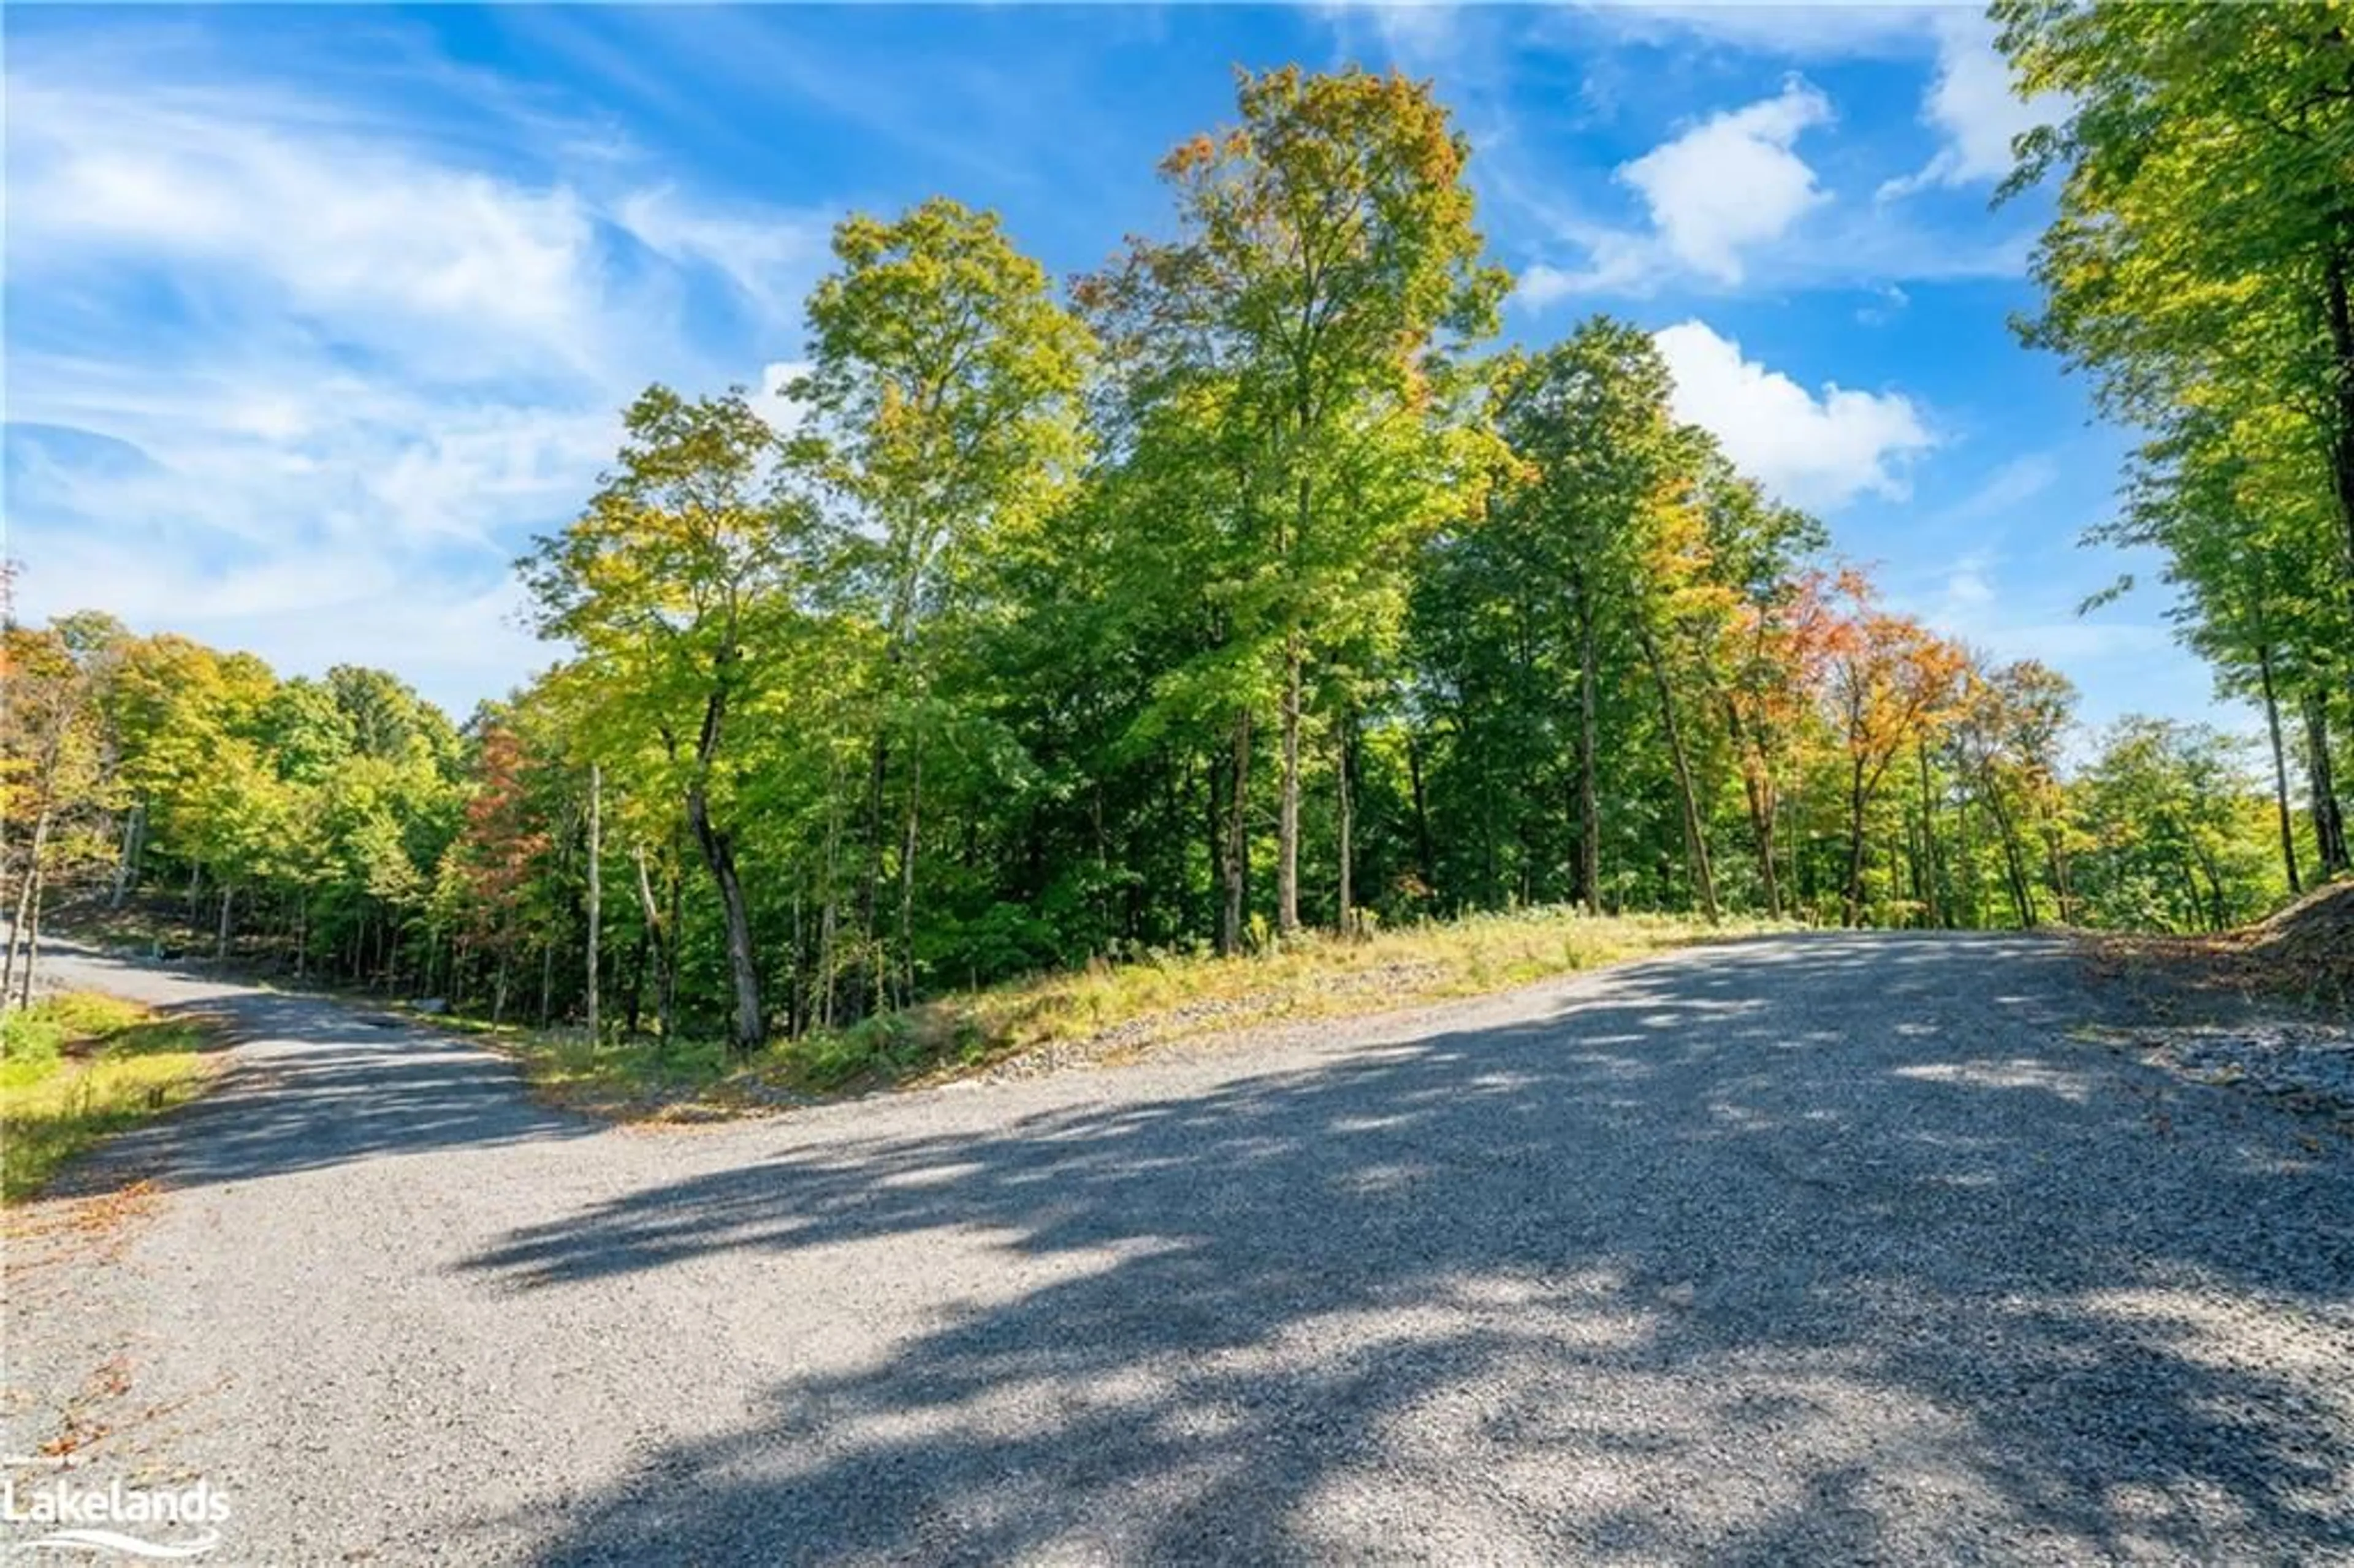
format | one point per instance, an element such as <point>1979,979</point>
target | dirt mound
<point>2311,942</point>
<point>2302,957</point>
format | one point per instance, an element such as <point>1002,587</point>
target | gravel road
<point>1820,1248</point>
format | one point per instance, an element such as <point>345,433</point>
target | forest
<point>1250,586</point>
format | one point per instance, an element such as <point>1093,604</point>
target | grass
<point>1104,1012</point>
<point>79,1066</point>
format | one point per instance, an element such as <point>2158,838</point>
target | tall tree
<point>1326,256</point>
<point>945,384</point>
<point>687,573</point>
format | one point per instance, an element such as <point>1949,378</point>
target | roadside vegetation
<point>79,1066</point>
<point>1103,1013</point>
<point>2302,957</point>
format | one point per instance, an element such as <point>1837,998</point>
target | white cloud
<point>1974,108</point>
<point>1732,181</point>
<point>1723,188</point>
<point>302,370</point>
<point>1812,451</point>
<point>1821,29</point>
<point>2003,491</point>
<point>1968,584</point>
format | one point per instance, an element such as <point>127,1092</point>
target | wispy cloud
<point>292,370</point>
<point>1974,108</point>
<point>1825,29</point>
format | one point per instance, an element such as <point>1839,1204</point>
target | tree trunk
<point>2014,865</point>
<point>871,886</point>
<point>634,990</point>
<point>220,941</point>
<point>1932,910</point>
<point>1348,804</point>
<point>37,880</point>
<point>660,938</point>
<point>828,915</point>
<point>1287,829</point>
<point>1425,867</point>
<point>719,855</point>
<point>1233,852</point>
<point>2342,347</point>
<point>2329,821</point>
<point>1757,792</point>
<point>2063,889</point>
<point>745,1031</point>
<point>20,928</point>
<point>908,873</point>
<point>596,885</point>
<point>1696,831</point>
<point>2280,768</point>
<point>1855,803</point>
<point>134,844</point>
<point>1587,886</point>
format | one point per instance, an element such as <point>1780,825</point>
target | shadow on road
<point>1797,1245</point>
<point>315,1082</point>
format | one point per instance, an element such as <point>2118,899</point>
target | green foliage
<point>77,1068</point>
<point>2200,267</point>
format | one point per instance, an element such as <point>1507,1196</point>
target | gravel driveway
<point>1832,1247</point>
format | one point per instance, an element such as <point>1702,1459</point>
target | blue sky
<point>315,316</point>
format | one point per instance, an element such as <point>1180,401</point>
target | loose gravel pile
<point>2310,1066</point>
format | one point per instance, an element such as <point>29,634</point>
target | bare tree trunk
<point>19,929</point>
<point>1757,793</point>
<point>1588,879</point>
<point>2280,768</point>
<point>1855,803</point>
<point>2022,898</point>
<point>134,843</point>
<point>595,884</point>
<point>1348,825</point>
<point>1425,862</point>
<point>633,992</point>
<point>220,942</point>
<point>829,916</point>
<point>1696,831</point>
<point>745,1029</point>
<point>1933,908</point>
<point>2341,343</point>
<point>1234,857</point>
<point>39,877</point>
<point>908,873</point>
<point>2328,821</point>
<point>870,886</point>
<point>718,854</point>
<point>1287,831</point>
<point>660,938</point>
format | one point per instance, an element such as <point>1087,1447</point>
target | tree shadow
<point>1828,1247</point>
<point>311,1083</point>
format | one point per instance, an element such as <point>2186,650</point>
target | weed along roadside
<point>77,1066</point>
<point>1108,1012</point>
